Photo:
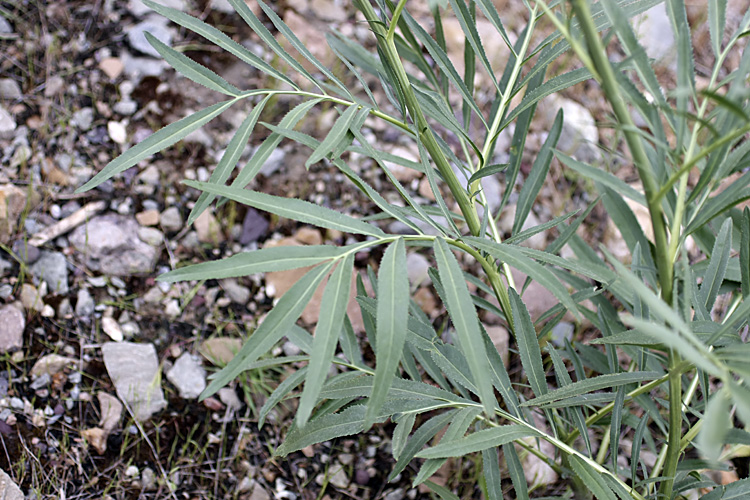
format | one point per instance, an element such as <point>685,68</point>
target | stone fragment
<point>579,137</point>
<point>51,364</point>
<point>26,252</point>
<point>228,396</point>
<point>220,350</point>
<point>112,67</point>
<point>254,225</point>
<point>31,298</point>
<point>9,89</point>
<point>12,205</point>
<point>148,479</point>
<point>83,118</point>
<point>134,370</point>
<point>126,107</point>
<point>112,328</point>
<point>117,132</point>
<point>308,236</point>
<point>84,303</point>
<point>137,36</point>
<point>12,324</point>
<point>151,235</point>
<point>188,376</point>
<point>171,220</point>
<point>5,28</point>
<point>8,489</point>
<point>208,228</point>
<point>52,267</point>
<point>97,438</point>
<point>237,293</point>
<point>259,493</point>
<point>338,476</point>
<point>500,339</point>
<point>654,31</point>
<point>147,217</point>
<point>111,411</point>
<point>110,244</point>
<point>7,124</point>
<point>416,267</point>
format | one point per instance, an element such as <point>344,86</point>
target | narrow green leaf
<point>635,453</point>
<point>492,477</point>
<point>528,233</point>
<point>603,177</point>
<point>615,427</point>
<point>274,327</point>
<point>229,159</point>
<point>717,16</point>
<point>487,171</point>
<point>265,260</point>
<point>444,63</point>
<point>253,166</point>
<point>404,425</point>
<point>425,433</point>
<point>592,479</point>
<point>291,208</point>
<point>515,257</point>
<point>478,441</point>
<point>490,12</point>
<point>745,253</point>
<point>464,317</point>
<point>528,345</point>
<point>349,421</point>
<point>469,26</point>
<point>334,302</point>
<point>463,419</point>
<point>441,491</point>
<point>608,381</point>
<point>515,470</point>
<point>218,38</point>
<point>718,266</point>
<point>537,175</point>
<point>391,324</point>
<point>337,132</point>
<point>282,390</point>
<point>191,69</point>
<point>159,140</point>
<point>716,423</point>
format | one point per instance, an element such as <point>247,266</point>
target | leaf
<point>636,450</point>
<point>191,69</point>
<point>487,171</point>
<point>265,260</point>
<point>616,427</point>
<point>608,381</point>
<point>426,431</point>
<point>267,147</point>
<point>349,421</point>
<point>745,253</point>
<point>441,491</point>
<point>491,471</point>
<point>465,321</point>
<point>718,265</point>
<point>288,385</point>
<point>514,256</point>
<point>528,233</point>
<point>528,345</point>
<point>154,143</point>
<point>537,175</point>
<point>716,423</point>
<point>490,12</point>
<point>603,177</point>
<point>469,26</point>
<point>516,472</point>
<point>229,159</point>
<point>337,132</point>
<point>592,479</point>
<point>478,441</point>
<point>218,38</point>
<point>391,323</point>
<point>404,425</point>
<point>291,208</point>
<point>274,327</point>
<point>333,305</point>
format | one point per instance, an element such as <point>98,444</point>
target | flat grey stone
<point>85,303</point>
<point>12,324</point>
<point>188,376</point>
<point>83,118</point>
<point>110,244</point>
<point>7,124</point>
<point>237,293</point>
<point>9,89</point>
<point>52,268</point>
<point>134,369</point>
<point>8,489</point>
<point>170,219</point>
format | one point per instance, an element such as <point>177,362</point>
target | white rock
<point>134,369</point>
<point>154,26</point>
<point>7,124</point>
<point>188,376</point>
<point>654,32</point>
<point>579,136</point>
<point>112,328</point>
<point>117,132</point>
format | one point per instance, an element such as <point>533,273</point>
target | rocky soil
<point>102,365</point>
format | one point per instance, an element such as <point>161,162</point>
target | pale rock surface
<point>188,376</point>
<point>7,124</point>
<point>220,350</point>
<point>52,267</point>
<point>12,324</point>
<point>8,489</point>
<point>500,338</point>
<point>134,370</point>
<point>51,364</point>
<point>155,26</point>
<point>110,244</point>
<point>654,32</point>
<point>208,229</point>
<point>12,204</point>
<point>579,136</point>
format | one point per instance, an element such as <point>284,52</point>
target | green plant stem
<point>665,266</point>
